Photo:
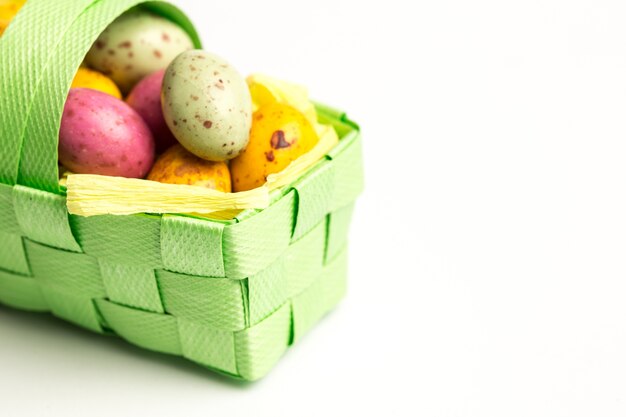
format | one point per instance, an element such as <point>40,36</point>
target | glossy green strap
<point>38,163</point>
<point>25,49</point>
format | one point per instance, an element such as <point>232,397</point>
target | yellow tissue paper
<point>90,195</point>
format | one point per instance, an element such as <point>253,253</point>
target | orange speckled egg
<point>179,166</point>
<point>279,135</point>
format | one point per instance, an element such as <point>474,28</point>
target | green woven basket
<point>230,295</point>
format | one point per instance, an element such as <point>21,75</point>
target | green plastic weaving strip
<point>21,292</point>
<point>305,259</point>
<point>314,197</point>
<point>12,254</point>
<point>258,348</point>
<point>42,217</point>
<point>348,162</point>
<point>267,291</point>
<point>75,308</point>
<point>131,286</point>
<point>337,235</point>
<point>8,220</point>
<point>337,118</point>
<point>325,292</point>
<point>216,302</point>
<point>207,346</point>
<point>50,267</point>
<point>256,242</point>
<point>158,332</point>
<point>39,166</point>
<point>192,246</point>
<point>127,240</point>
<point>25,49</point>
<point>331,114</point>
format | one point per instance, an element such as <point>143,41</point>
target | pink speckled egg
<point>145,98</point>
<point>101,134</point>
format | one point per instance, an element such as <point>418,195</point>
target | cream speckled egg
<point>207,105</point>
<point>138,43</point>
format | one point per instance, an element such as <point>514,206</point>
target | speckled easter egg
<point>207,105</point>
<point>280,134</point>
<point>145,98</point>
<point>103,135</point>
<point>137,44</point>
<point>179,166</point>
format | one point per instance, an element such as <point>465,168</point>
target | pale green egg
<point>207,105</point>
<point>137,44</point>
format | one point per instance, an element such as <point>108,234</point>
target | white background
<point>487,261</point>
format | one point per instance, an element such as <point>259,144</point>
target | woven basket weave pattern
<point>230,295</point>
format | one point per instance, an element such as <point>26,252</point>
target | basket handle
<point>38,166</point>
<point>25,50</point>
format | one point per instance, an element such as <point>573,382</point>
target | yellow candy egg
<point>86,78</point>
<point>178,166</point>
<point>8,10</point>
<point>279,135</point>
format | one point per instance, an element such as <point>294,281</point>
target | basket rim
<point>330,116</point>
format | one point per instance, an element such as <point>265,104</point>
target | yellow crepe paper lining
<point>90,195</point>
